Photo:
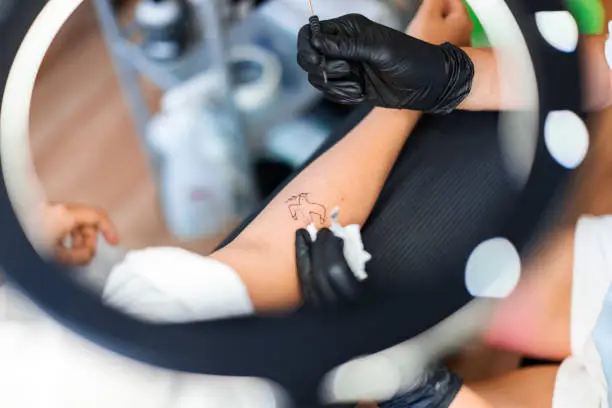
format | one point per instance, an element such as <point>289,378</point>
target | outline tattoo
<point>301,208</point>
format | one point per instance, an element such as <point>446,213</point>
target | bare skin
<point>486,88</point>
<point>82,224</point>
<point>350,175</point>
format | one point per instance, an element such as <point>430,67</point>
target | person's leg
<point>527,388</point>
<point>478,362</point>
<point>467,398</point>
<point>555,308</point>
<point>535,319</point>
<point>570,385</point>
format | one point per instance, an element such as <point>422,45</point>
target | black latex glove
<point>325,277</point>
<point>367,61</point>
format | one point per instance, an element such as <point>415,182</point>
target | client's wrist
<point>460,71</point>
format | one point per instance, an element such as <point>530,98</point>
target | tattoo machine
<point>315,28</point>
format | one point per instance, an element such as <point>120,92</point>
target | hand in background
<point>80,225</point>
<point>440,21</point>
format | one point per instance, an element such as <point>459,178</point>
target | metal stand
<point>210,53</point>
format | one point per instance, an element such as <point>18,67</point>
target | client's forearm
<point>350,175</point>
<point>486,87</point>
<point>486,90</point>
<point>466,398</point>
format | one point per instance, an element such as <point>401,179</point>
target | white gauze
<point>354,251</point>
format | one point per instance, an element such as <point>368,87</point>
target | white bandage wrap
<point>608,46</point>
<point>354,251</point>
<point>171,285</point>
<point>575,385</point>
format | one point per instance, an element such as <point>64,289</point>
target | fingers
<point>340,46</point>
<point>308,57</point>
<point>441,8</point>
<point>330,249</point>
<point>346,92</point>
<point>446,9</point>
<point>343,82</point>
<point>332,42</point>
<point>108,229</point>
<point>97,219</point>
<point>58,222</point>
<point>334,278</point>
<point>83,229</point>
<point>349,24</point>
<point>455,7</point>
<point>325,277</point>
<point>305,267</point>
<point>81,250</point>
<point>323,255</point>
<point>333,68</point>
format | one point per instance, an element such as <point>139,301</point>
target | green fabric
<point>479,38</point>
<point>589,15</point>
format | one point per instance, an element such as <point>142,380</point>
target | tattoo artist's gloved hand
<point>366,61</point>
<point>325,277</point>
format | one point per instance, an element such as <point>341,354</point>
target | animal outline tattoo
<point>301,208</point>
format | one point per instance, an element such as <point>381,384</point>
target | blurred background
<point>178,116</point>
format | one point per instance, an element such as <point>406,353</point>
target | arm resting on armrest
<point>350,175</point>
<point>596,75</point>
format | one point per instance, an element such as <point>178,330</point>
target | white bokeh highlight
<point>370,378</point>
<point>567,138</point>
<point>493,269</point>
<point>559,29</point>
<point>399,369</point>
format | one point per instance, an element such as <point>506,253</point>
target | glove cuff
<point>438,390</point>
<point>460,70</point>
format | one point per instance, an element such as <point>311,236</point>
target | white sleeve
<point>592,275</point>
<point>171,285</point>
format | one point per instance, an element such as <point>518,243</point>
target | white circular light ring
<point>518,130</point>
<point>164,346</point>
<point>15,152</point>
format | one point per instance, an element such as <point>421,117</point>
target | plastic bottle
<point>198,177</point>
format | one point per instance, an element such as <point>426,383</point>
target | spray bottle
<point>198,176</point>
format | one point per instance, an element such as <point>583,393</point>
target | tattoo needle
<point>315,28</point>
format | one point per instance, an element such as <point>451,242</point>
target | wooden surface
<point>84,145</point>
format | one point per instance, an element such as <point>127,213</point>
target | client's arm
<point>394,70</point>
<point>486,91</point>
<point>350,175</point>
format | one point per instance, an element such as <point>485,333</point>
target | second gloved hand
<point>325,277</point>
<point>366,61</point>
